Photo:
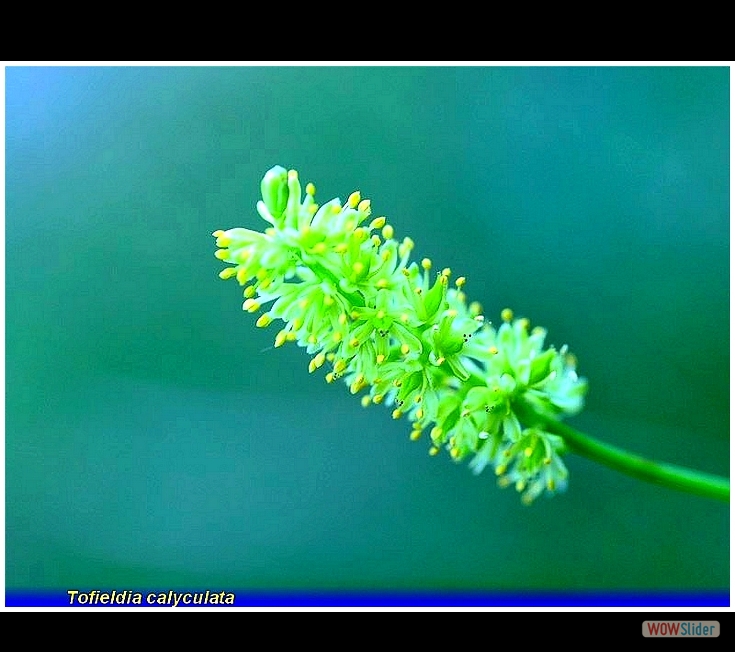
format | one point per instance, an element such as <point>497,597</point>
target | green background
<point>155,439</point>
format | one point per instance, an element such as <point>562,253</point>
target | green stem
<point>665,475</point>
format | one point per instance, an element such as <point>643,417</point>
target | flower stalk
<point>399,333</point>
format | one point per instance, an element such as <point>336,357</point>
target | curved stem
<point>666,475</point>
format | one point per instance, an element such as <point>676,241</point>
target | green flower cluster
<point>398,333</point>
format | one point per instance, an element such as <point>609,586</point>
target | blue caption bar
<point>78,598</point>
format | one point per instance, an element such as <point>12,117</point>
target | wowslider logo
<point>681,628</point>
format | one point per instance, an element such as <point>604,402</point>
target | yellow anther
<point>270,231</point>
<point>452,313</point>
<point>460,281</point>
<point>227,273</point>
<point>551,485</point>
<point>319,248</point>
<point>330,357</point>
<point>405,349</point>
<point>329,377</point>
<point>524,323</point>
<point>382,283</point>
<point>436,433</point>
<point>404,318</point>
<point>387,232</point>
<point>265,284</point>
<point>221,254</point>
<point>520,485</point>
<point>341,248</point>
<point>407,244</point>
<point>218,233</point>
<point>378,398</point>
<point>349,226</point>
<point>263,321</point>
<point>493,350</point>
<point>293,175</point>
<point>361,234</point>
<point>380,358</point>
<point>415,434</point>
<point>397,414</point>
<point>419,414</point>
<point>251,305</point>
<point>354,199</point>
<point>339,366</point>
<point>311,339</point>
<point>328,300</point>
<point>454,453</point>
<point>380,314</point>
<point>365,401</point>
<point>280,339</point>
<point>385,255</point>
<point>291,336</point>
<point>417,290</point>
<point>500,469</point>
<point>426,263</point>
<point>377,223</point>
<point>433,451</point>
<point>446,271</point>
<point>375,238</point>
<point>364,206</point>
<point>342,319</point>
<point>337,336</point>
<point>418,398</point>
<point>242,275</point>
<point>440,361</point>
<point>312,208</point>
<point>310,189</point>
<point>397,382</point>
<point>335,209</point>
<point>528,451</point>
<point>261,274</point>
<point>319,360</point>
<point>506,315</point>
<point>303,304</point>
<point>354,342</point>
<point>297,323</point>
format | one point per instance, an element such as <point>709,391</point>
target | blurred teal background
<point>153,437</point>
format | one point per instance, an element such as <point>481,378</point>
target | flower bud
<point>274,188</point>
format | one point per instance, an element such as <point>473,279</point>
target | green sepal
<point>433,299</point>
<point>541,366</point>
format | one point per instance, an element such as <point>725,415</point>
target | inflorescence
<point>401,334</point>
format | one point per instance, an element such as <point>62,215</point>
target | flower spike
<point>399,334</point>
